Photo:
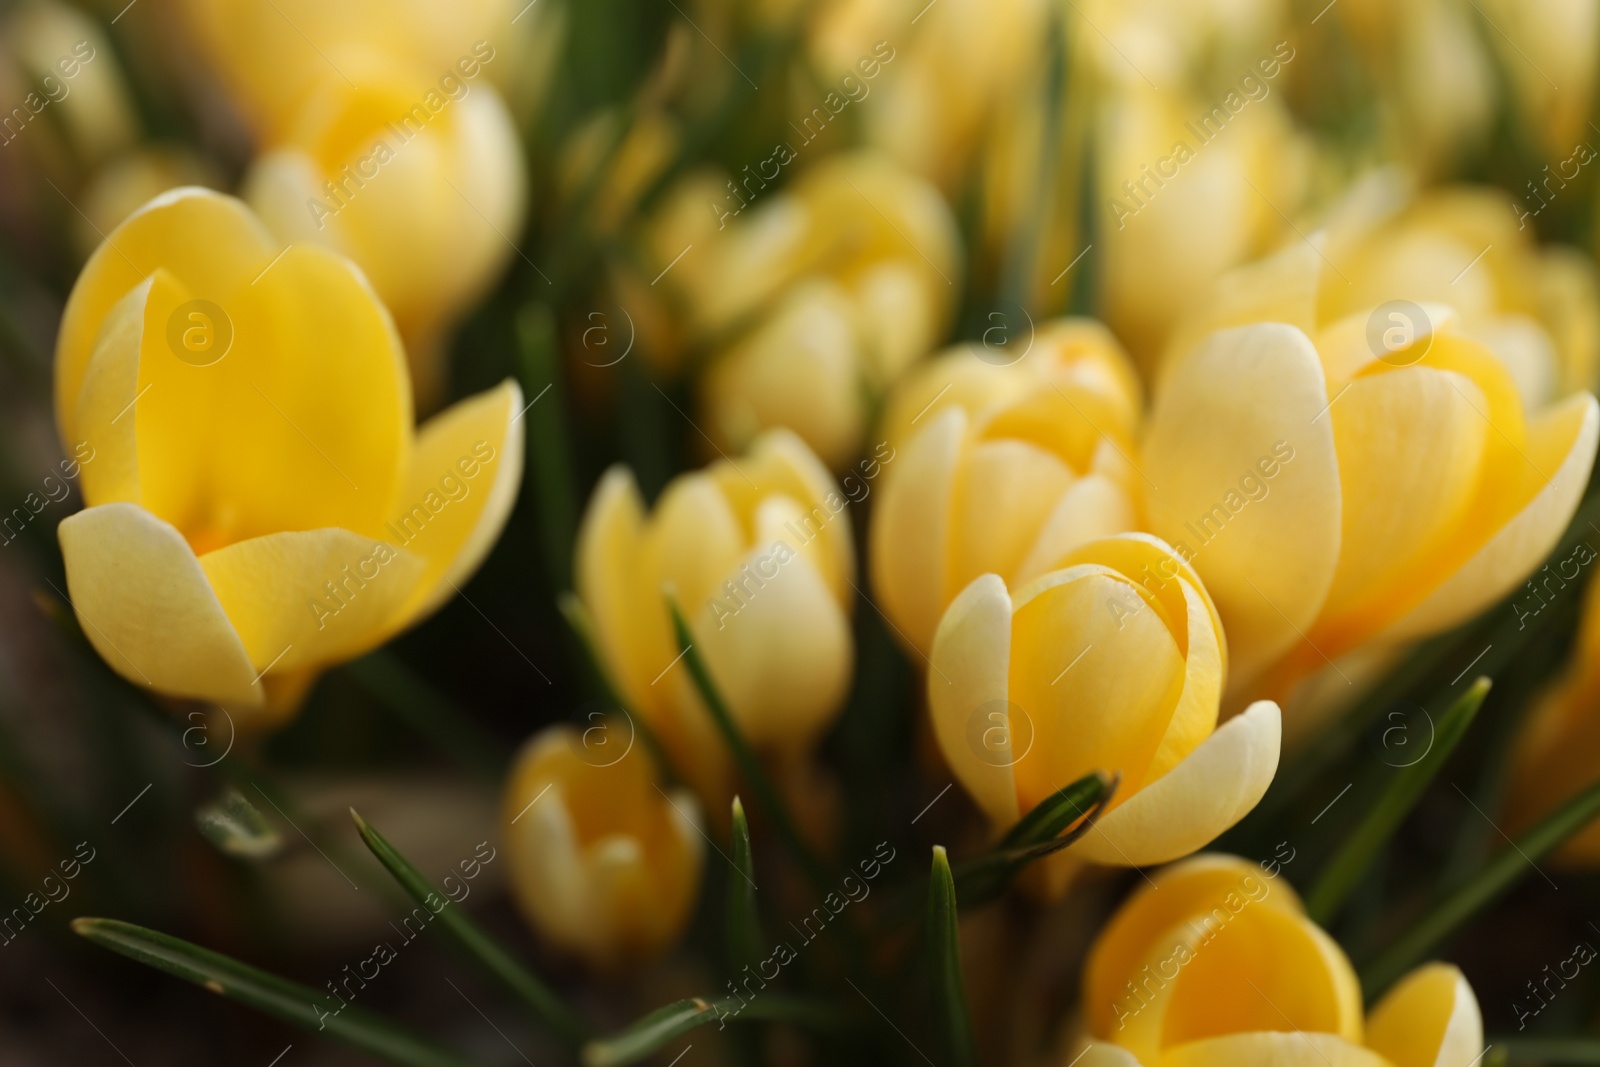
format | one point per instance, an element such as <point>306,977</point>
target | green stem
<point>1497,876</point>
<point>479,945</point>
<point>944,945</point>
<point>1391,807</point>
<point>280,998</point>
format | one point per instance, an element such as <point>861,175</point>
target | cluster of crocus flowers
<point>812,299</point>
<point>757,552</point>
<point>1007,456</point>
<point>1111,660</point>
<point>605,863</point>
<point>389,143</point>
<point>1214,964</point>
<point>1556,754</point>
<point>1353,482</point>
<point>259,503</point>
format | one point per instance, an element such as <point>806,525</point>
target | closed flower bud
<point>1214,964</point>
<point>814,299</point>
<point>1113,660</point>
<point>758,553</point>
<point>1360,482</point>
<point>66,101</point>
<point>258,503</point>
<point>605,863</point>
<point>418,177</point>
<point>1007,454</point>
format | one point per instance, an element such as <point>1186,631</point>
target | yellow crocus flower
<point>259,505</point>
<point>605,863</point>
<point>1112,660</point>
<point>1350,482</point>
<point>1214,964</point>
<point>1005,456</point>
<point>758,553</point>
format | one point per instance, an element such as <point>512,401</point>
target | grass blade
<point>478,944</point>
<point>745,943</point>
<point>743,756</point>
<point>1545,1050</point>
<point>267,993</point>
<point>1405,788</point>
<point>1495,878</point>
<point>653,1032</point>
<point>1038,834</point>
<point>944,947</point>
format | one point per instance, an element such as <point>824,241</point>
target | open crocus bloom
<point>1215,965</point>
<point>606,865</point>
<point>1332,499</point>
<point>259,504</point>
<point>1113,660</point>
<point>1002,467</point>
<point>759,555</point>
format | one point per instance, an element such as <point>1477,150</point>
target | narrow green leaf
<point>1549,1051</point>
<point>1389,810</point>
<point>1039,833</point>
<point>234,825</point>
<point>280,998</point>
<point>556,1014</point>
<point>653,1032</point>
<point>427,711</point>
<point>944,950</point>
<point>549,467</point>
<point>1495,878</point>
<point>743,756</point>
<point>745,943</point>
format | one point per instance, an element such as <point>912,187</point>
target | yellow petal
<point>301,599</point>
<point>1173,894</point>
<point>125,568</point>
<point>1263,1049</point>
<point>1430,1019</point>
<point>1094,507</point>
<point>1561,443</point>
<point>1222,413</point>
<point>463,483</point>
<point>1099,1054</point>
<point>104,407</point>
<point>911,530</point>
<point>968,697</point>
<point>693,542</point>
<point>1187,808</point>
<point>955,378</point>
<point>1004,491</point>
<point>1106,711</point>
<point>210,242</point>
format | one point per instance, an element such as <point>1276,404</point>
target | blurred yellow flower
<point>259,505</point>
<point>759,555</point>
<point>1556,754</point>
<point>1006,456</point>
<point>421,182</point>
<point>1112,661</point>
<point>1215,965</point>
<point>605,863</point>
<point>134,179</point>
<point>1359,481</point>
<point>816,299</point>
<point>1549,61</point>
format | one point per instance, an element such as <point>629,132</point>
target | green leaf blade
<point>744,921</point>
<point>944,948</point>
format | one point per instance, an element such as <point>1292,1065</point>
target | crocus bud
<point>758,553</point>
<point>1214,964</point>
<point>605,862</point>
<point>258,503</point>
<point>1007,454</point>
<point>1112,660</point>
